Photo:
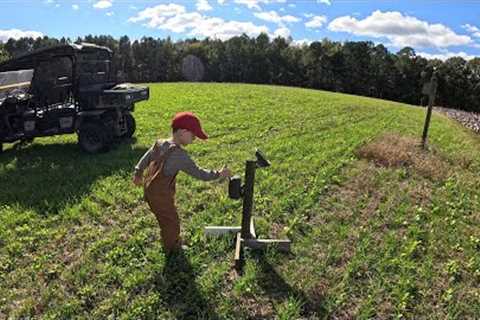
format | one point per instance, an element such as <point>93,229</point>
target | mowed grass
<point>369,240</point>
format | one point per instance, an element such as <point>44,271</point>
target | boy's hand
<point>225,173</point>
<point>137,180</point>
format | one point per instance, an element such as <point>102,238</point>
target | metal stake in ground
<point>432,91</point>
<point>248,198</point>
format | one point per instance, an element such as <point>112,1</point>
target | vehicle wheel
<point>93,137</point>
<point>27,140</point>
<point>131,125</point>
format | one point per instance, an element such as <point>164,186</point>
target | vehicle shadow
<point>280,291</point>
<point>179,290</point>
<point>45,178</point>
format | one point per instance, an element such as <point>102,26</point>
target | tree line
<point>360,68</point>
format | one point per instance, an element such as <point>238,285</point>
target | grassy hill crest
<point>380,229</point>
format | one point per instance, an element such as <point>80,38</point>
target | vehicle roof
<point>30,60</point>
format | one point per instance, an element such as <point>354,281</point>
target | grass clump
<point>394,150</point>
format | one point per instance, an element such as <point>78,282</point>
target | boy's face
<point>186,137</point>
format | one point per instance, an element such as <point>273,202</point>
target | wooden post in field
<point>431,90</point>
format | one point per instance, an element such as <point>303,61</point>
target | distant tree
<point>474,79</point>
<point>45,42</point>
<point>19,47</point>
<point>260,64</point>
<point>358,64</point>
<point>455,87</point>
<point>279,62</point>
<point>383,72</point>
<point>4,56</point>
<point>214,59</point>
<point>125,61</point>
<point>409,69</point>
<point>237,54</point>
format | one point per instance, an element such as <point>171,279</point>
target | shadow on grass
<point>280,291</point>
<point>45,178</point>
<point>182,295</point>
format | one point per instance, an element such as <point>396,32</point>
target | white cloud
<point>400,30</point>
<point>327,2</point>
<point>157,15</point>
<point>203,5</point>
<point>103,4</point>
<point>472,29</point>
<point>221,2</point>
<point>111,13</point>
<point>446,55</point>
<point>272,16</point>
<point>292,5</point>
<point>75,6</point>
<point>17,34</point>
<point>52,2</point>
<point>175,18</point>
<point>282,32</point>
<point>316,22</point>
<point>301,42</point>
<point>255,4</point>
<point>217,28</point>
<point>251,4</point>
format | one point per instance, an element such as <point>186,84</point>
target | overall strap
<point>160,155</point>
<point>155,167</point>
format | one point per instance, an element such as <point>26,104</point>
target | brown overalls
<point>159,191</point>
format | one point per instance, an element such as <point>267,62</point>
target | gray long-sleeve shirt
<point>178,160</point>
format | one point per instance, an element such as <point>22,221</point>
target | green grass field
<point>369,241</point>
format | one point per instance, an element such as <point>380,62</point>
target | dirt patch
<point>392,150</point>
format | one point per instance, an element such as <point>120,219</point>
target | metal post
<point>431,100</point>
<point>248,198</point>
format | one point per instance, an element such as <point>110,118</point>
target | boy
<point>163,161</point>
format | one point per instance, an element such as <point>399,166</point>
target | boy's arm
<point>144,162</point>
<point>186,164</point>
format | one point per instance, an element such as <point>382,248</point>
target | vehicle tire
<point>93,137</point>
<point>130,124</point>
<point>27,140</point>
<point>108,121</point>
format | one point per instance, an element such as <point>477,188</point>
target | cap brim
<point>200,134</point>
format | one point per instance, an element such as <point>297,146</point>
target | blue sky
<point>434,28</point>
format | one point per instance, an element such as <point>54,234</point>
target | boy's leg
<point>167,217</point>
<point>169,230</point>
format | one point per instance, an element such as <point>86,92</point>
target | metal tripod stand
<point>245,234</point>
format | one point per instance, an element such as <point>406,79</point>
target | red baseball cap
<point>189,121</point>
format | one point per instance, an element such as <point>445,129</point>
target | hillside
<point>379,228</point>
